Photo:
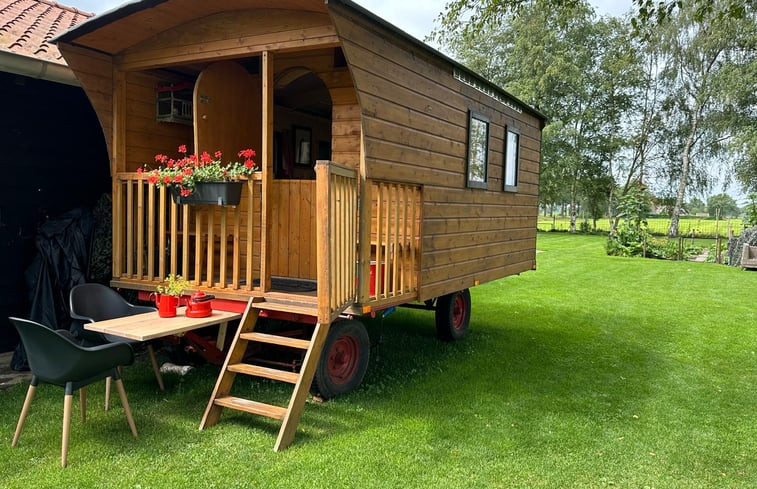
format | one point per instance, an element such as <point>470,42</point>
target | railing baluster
<point>140,228</point>
<point>151,234</point>
<point>222,261</point>
<point>250,235</point>
<point>236,262</point>
<point>174,237</point>
<point>211,248</point>
<point>198,248</point>
<point>185,214</point>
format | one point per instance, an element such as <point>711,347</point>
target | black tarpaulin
<point>63,248</point>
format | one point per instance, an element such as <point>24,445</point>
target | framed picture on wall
<point>302,145</point>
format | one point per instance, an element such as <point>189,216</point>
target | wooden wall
<point>95,72</point>
<point>415,119</point>
<point>145,136</point>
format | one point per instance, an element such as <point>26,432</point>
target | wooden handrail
<point>336,209</point>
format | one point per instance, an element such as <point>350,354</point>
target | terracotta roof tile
<point>26,27</point>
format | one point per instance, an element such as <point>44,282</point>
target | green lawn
<point>687,226</point>
<point>590,372</point>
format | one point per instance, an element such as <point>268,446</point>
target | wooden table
<point>149,326</point>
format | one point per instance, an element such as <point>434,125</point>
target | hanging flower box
<point>202,179</point>
<point>210,193</point>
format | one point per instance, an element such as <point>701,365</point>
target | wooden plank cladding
<point>293,230</point>
<point>216,248</point>
<point>415,116</point>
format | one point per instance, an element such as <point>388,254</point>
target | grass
<point>591,372</point>
<point>687,226</point>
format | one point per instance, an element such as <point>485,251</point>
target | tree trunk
<point>685,169</point>
<point>573,207</point>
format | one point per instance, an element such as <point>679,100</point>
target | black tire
<point>343,361</point>
<point>453,315</point>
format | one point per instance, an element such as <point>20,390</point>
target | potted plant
<point>202,179</point>
<point>167,296</point>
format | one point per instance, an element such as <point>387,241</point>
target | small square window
<point>478,149</point>
<point>512,142</point>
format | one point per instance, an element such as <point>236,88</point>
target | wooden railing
<point>393,243</point>
<point>336,210</point>
<point>214,247</point>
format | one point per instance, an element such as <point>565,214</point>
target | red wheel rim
<point>343,359</point>
<point>458,312</point>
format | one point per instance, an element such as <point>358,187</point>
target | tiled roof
<point>26,27</point>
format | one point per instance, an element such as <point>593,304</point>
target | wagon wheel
<point>343,361</point>
<point>453,315</point>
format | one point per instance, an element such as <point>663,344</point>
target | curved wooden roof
<point>132,23</point>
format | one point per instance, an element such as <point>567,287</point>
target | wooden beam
<point>295,40</point>
<point>268,71</point>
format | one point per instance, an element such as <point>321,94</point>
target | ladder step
<point>303,308</point>
<point>252,407</point>
<point>265,372</point>
<point>276,340</point>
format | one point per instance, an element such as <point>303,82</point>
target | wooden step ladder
<point>290,415</point>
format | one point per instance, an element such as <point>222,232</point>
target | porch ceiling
<point>134,22</point>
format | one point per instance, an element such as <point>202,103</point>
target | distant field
<point>707,228</point>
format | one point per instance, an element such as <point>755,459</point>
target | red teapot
<point>198,305</point>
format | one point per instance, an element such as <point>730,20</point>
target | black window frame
<point>478,116</point>
<point>505,186</point>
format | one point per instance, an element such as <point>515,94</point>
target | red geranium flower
<point>218,155</point>
<point>183,149</point>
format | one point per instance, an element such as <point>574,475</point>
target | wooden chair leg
<point>125,403</point>
<point>108,381</point>
<point>83,403</point>
<point>155,367</point>
<point>68,400</point>
<point>24,412</point>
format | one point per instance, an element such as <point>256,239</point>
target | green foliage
<point>696,206</point>
<point>750,212</point>
<point>173,285</point>
<point>631,237</point>
<point>722,205</point>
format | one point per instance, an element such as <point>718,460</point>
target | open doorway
<point>302,125</point>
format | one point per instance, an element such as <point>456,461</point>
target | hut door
<point>227,110</point>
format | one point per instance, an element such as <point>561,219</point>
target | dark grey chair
<point>96,302</point>
<point>54,358</point>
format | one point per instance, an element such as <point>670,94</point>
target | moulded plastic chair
<point>96,302</point>
<point>55,359</point>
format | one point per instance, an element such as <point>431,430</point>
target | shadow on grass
<point>524,370</point>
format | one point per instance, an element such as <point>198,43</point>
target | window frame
<point>505,186</point>
<point>478,116</point>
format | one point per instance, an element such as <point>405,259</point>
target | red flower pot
<point>167,305</point>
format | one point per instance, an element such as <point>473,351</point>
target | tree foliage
<point>666,108</point>
<point>722,205</point>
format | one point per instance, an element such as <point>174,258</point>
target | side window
<point>478,149</point>
<point>512,142</point>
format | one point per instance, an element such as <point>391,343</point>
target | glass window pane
<point>477,151</point>
<point>511,160</point>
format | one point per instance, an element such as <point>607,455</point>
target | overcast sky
<point>416,17</point>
